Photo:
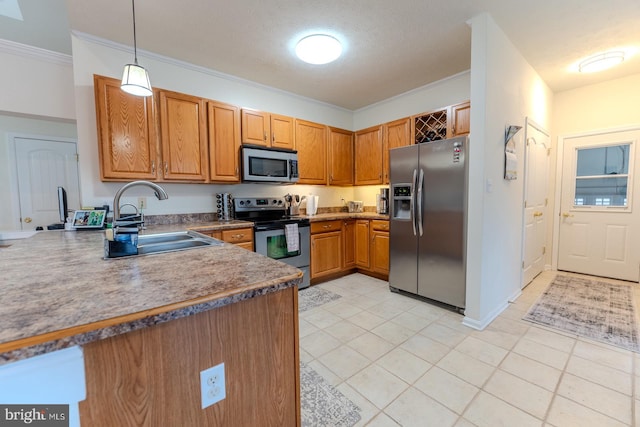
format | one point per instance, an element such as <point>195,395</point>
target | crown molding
<point>32,52</point>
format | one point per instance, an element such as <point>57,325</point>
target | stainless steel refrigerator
<point>428,217</point>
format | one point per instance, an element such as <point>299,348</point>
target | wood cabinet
<point>460,119</point>
<point>395,134</point>
<point>362,243</point>
<point>348,244</point>
<point>340,153</point>
<point>311,144</point>
<point>127,140</point>
<point>326,248</point>
<point>368,156</point>
<point>184,137</point>
<point>150,377</point>
<point>242,237</point>
<point>379,249</point>
<point>224,142</point>
<point>268,130</point>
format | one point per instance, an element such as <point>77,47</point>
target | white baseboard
<point>483,323</point>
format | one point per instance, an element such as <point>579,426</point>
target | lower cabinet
<point>242,237</point>
<point>349,244</point>
<point>379,248</point>
<point>342,246</point>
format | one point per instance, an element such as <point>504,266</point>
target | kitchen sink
<point>160,243</point>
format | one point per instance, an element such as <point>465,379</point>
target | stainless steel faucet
<point>117,221</point>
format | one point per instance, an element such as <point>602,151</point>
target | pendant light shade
<point>135,79</point>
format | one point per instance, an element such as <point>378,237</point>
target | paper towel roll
<point>511,166</point>
<point>312,204</point>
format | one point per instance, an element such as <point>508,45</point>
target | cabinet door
<point>460,119</point>
<point>126,132</point>
<point>184,137</point>
<point>362,243</point>
<point>340,163</point>
<point>326,253</point>
<point>380,252</point>
<point>224,142</point>
<point>368,156</point>
<point>349,244</point>
<point>255,127</point>
<point>282,132</point>
<point>311,143</point>
<point>395,134</point>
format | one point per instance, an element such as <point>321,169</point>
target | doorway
<point>41,165</point>
<point>598,223</point>
<point>536,183</point>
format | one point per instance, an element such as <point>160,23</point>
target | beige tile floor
<point>409,363</point>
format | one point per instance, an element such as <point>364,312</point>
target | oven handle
<point>269,228</point>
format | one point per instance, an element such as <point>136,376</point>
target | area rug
<point>322,404</point>
<point>589,308</point>
<point>314,296</point>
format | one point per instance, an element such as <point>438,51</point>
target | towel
<point>293,239</point>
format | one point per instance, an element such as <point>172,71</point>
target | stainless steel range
<point>270,231</point>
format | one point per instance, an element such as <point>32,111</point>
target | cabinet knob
<point>273,137</point>
<point>265,135</point>
<point>153,167</point>
<point>166,168</point>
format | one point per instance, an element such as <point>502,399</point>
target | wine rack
<point>431,126</point>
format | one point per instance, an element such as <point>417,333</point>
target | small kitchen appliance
<point>356,206</point>
<point>272,231</point>
<point>383,207</point>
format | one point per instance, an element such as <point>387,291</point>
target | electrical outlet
<point>142,203</point>
<point>212,385</point>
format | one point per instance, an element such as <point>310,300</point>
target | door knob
<point>537,214</point>
<point>27,220</point>
<point>567,215</point>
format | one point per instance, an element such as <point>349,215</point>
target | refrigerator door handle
<point>412,205</point>
<point>419,202</point>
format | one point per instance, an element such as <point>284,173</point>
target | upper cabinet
<point>441,124</point>
<point>224,142</point>
<point>184,137</point>
<point>268,130</point>
<point>460,119</point>
<point>368,151</point>
<point>340,155</point>
<point>395,134</point>
<point>311,143</point>
<point>126,133</point>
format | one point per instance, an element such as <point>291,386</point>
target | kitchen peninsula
<point>148,325</point>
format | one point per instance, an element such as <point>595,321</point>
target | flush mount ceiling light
<point>135,79</point>
<point>318,49</point>
<point>601,61</point>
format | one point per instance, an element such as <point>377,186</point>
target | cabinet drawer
<point>324,226</point>
<point>379,225</point>
<point>238,235</point>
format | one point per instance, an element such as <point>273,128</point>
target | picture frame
<point>89,219</point>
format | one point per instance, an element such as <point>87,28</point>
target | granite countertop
<point>57,290</point>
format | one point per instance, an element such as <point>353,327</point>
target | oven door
<point>273,243</point>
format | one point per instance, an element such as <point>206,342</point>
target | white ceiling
<point>391,46</point>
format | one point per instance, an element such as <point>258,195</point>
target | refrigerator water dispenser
<point>401,202</point>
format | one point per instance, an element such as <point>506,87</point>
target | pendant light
<point>135,79</point>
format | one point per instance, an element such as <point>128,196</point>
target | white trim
<point>197,68</point>
<point>409,92</point>
<point>13,169</point>
<point>32,52</point>
<point>483,323</point>
<point>558,188</point>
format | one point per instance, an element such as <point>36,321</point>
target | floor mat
<point>589,308</point>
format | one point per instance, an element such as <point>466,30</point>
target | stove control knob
<point>274,202</point>
<point>242,202</point>
<point>279,202</point>
<point>248,202</point>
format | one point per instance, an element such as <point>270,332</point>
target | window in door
<point>602,176</point>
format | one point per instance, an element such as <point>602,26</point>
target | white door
<point>599,229</point>
<point>535,201</point>
<point>42,166</point>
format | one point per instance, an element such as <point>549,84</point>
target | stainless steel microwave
<point>269,165</point>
